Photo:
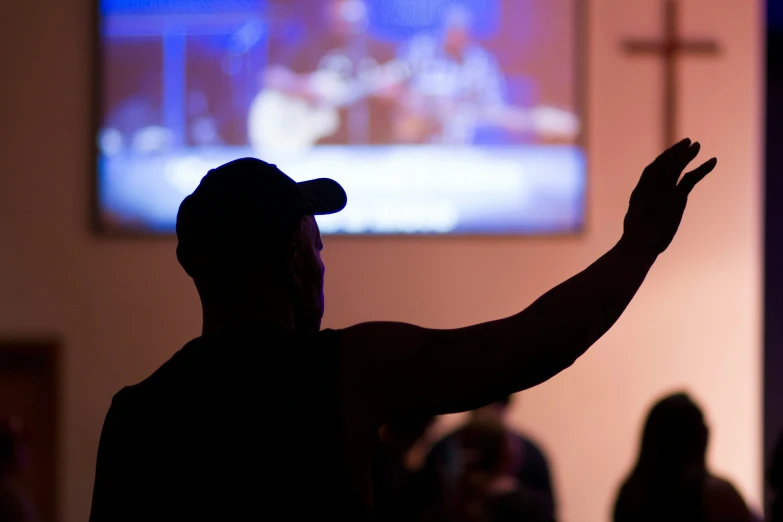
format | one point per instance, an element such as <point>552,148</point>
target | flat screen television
<point>438,117</point>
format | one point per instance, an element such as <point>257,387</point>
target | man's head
<point>305,269</point>
<point>247,235</point>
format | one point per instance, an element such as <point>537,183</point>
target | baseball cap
<point>244,210</point>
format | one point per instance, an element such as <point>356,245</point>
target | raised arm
<point>405,369</point>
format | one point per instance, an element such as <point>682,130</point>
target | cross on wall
<point>669,49</point>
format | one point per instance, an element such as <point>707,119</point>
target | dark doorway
<point>28,396</point>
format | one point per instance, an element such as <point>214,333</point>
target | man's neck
<point>242,312</point>
<point>213,325</point>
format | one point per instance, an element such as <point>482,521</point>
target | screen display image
<point>437,116</point>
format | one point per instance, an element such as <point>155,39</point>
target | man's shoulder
<point>128,401</point>
<point>201,354</point>
<point>123,397</point>
<point>328,336</point>
<point>164,375</point>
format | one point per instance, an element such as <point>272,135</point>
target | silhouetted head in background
<point>669,481</point>
<point>485,448</point>
<point>674,441</point>
<point>486,489</point>
<point>248,239</point>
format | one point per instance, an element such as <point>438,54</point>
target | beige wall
<point>121,307</point>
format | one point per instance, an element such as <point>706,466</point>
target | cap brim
<point>322,196</point>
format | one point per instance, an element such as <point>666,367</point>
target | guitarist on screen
<point>338,89</point>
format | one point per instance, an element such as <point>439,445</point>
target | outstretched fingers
<point>678,158</point>
<point>681,160</point>
<point>693,177</point>
<point>673,151</point>
<point>688,156</point>
<point>665,161</point>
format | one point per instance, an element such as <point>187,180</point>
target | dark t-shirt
<point>233,425</point>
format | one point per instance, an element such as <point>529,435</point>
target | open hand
<point>659,199</point>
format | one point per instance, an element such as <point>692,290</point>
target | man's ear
<point>294,265</point>
<point>294,259</point>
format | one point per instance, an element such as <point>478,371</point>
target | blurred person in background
<point>670,480</point>
<point>527,464</point>
<point>486,489</point>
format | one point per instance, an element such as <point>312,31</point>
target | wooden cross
<point>669,49</point>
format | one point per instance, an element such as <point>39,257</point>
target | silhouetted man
<point>268,416</point>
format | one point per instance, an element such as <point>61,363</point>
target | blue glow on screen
<point>775,15</point>
<point>150,7</point>
<point>438,116</point>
